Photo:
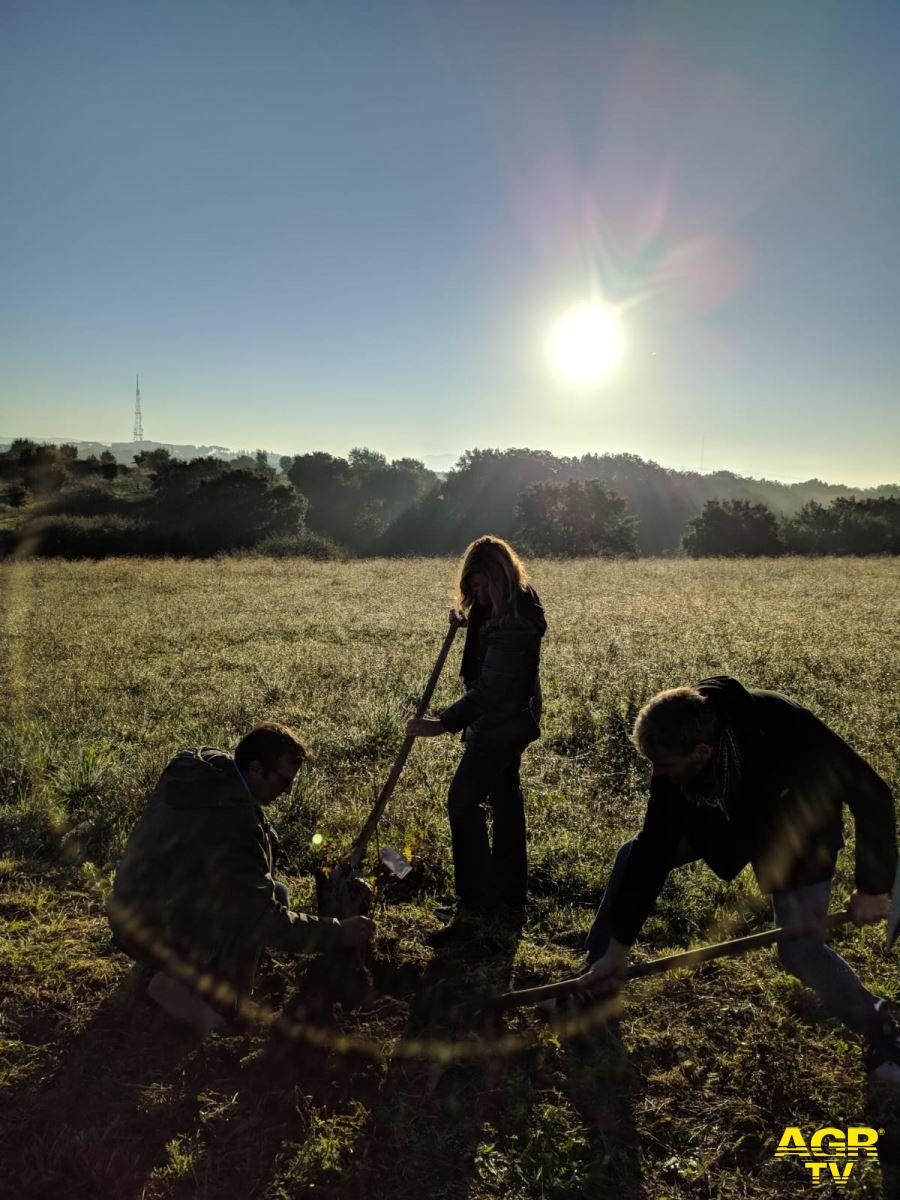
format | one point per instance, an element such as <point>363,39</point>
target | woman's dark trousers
<point>487,876</point>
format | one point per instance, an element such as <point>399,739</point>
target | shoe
<point>886,1074</point>
<point>883,1053</point>
<point>184,1005</point>
<point>465,926</point>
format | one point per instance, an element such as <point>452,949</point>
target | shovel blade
<point>395,862</point>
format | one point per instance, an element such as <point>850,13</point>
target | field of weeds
<point>109,668</point>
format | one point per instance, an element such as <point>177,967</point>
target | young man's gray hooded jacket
<point>196,875</point>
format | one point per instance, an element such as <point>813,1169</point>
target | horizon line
<point>682,470</point>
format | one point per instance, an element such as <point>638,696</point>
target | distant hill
<point>483,488</point>
<point>783,497</point>
<point>125,451</point>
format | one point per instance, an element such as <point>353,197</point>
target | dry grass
<point>110,667</point>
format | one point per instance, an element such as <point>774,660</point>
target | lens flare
<point>587,343</point>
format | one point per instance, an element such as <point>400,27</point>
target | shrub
<point>92,537</point>
<point>16,495</point>
<point>90,498</point>
<point>304,544</point>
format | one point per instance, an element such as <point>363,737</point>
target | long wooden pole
<point>359,846</point>
<point>687,958</point>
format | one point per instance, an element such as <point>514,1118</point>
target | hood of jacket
<point>737,754</point>
<point>529,608</point>
<point>729,696</point>
<point>204,778</point>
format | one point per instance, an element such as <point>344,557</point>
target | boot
<point>882,1057</point>
<point>465,925</point>
<point>184,1005</point>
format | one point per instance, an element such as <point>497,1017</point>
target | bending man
<point>194,893</point>
<point>749,776</point>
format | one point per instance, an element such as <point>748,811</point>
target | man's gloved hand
<point>866,909</point>
<point>356,932</point>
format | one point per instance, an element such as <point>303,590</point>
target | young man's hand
<point>605,977</point>
<point>424,727</point>
<point>357,932</point>
<point>866,909</point>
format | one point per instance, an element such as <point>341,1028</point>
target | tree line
<point>53,502</point>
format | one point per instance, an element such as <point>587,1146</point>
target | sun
<point>587,343</point>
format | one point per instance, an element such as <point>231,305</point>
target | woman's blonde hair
<point>502,568</point>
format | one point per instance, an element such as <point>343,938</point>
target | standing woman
<point>498,716</point>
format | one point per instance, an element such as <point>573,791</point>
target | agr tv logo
<point>831,1153</point>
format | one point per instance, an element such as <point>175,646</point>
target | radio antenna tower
<point>138,422</point>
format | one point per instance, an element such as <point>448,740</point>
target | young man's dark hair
<point>676,720</point>
<point>195,886</point>
<point>266,743</point>
<point>742,777</point>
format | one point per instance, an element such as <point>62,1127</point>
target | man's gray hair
<point>677,721</point>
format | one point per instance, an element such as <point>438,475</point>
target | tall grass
<point>110,667</point>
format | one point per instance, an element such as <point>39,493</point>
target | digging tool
<point>688,958</point>
<point>342,892</point>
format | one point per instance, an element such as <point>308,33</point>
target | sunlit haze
<point>319,226</point>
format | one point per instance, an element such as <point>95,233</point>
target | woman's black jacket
<point>500,669</point>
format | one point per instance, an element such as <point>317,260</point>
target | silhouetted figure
<point>194,894</point>
<point>498,716</point>
<point>752,777</point>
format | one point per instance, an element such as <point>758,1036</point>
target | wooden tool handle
<point>755,941</point>
<point>365,836</point>
<point>687,958</point>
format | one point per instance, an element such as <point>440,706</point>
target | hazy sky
<point>323,225</point>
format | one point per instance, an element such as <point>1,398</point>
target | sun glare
<point>587,343</point>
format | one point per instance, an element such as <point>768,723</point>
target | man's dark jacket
<point>784,815</point>
<point>500,669</point>
<point>196,874</point>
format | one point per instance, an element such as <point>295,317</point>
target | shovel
<point>342,892</point>
<point>688,958</point>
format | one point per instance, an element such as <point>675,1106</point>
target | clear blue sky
<point>321,225</point>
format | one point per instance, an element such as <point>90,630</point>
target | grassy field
<point>110,667</point>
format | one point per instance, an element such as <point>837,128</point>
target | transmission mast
<point>138,422</point>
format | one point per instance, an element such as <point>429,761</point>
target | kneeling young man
<point>195,894</point>
<point>751,777</point>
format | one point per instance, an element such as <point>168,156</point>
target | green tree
<point>236,509</point>
<point>869,526</point>
<point>576,517</point>
<point>813,530</point>
<point>153,460</point>
<point>733,528</point>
